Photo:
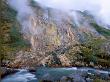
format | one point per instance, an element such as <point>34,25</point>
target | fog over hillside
<point>55,40</point>
<point>99,8</point>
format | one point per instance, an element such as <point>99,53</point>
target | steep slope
<point>61,38</point>
<point>11,39</point>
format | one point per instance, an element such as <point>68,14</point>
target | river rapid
<point>25,76</point>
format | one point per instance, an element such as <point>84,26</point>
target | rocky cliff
<point>56,38</point>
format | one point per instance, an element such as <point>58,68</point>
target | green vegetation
<point>105,32</point>
<point>88,54</point>
<point>92,50</point>
<point>17,39</point>
<point>11,40</point>
<point>10,36</point>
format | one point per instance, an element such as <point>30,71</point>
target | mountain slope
<point>59,38</point>
<point>11,39</point>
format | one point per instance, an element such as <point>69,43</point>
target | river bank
<point>72,74</point>
<point>7,71</point>
<point>62,74</point>
<point>4,71</point>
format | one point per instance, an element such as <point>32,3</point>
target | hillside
<point>51,37</point>
<point>11,39</point>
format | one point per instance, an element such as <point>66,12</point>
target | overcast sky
<point>100,8</point>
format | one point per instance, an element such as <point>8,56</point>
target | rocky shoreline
<point>7,71</point>
<point>82,74</point>
<point>73,74</point>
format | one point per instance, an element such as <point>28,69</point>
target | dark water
<point>58,73</point>
<point>54,73</point>
<point>25,76</point>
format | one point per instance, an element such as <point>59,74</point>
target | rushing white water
<point>22,76</point>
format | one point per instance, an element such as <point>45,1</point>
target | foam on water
<point>22,76</point>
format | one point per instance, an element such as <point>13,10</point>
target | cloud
<point>100,8</point>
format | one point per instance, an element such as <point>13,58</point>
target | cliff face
<point>46,30</point>
<point>60,38</point>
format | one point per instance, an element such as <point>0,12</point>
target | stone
<point>104,76</point>
<point>77,78</point>
<point>77,63</point>
<point>6,71</point>
<point>63,79</point>
<point>91,64</point>
<point>89,80</point>
<point>64,60</point>
<point>47,77</point>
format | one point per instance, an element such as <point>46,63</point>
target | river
<point>25,76</point>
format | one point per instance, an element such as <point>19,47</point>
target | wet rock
<point>6,71</point>
<point>89,80</point>
<point>47,78</point>
<point>77,78</point>
<point>33,80</point>
<point>46,81</point>
<point>82,73</point>
<point>77,63</point>
<point>91,64</point>
<point>104,76</point>
<point>65,79</point>
<point>91,72</point>
<point>32,70</point>
<point>96,67</point>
